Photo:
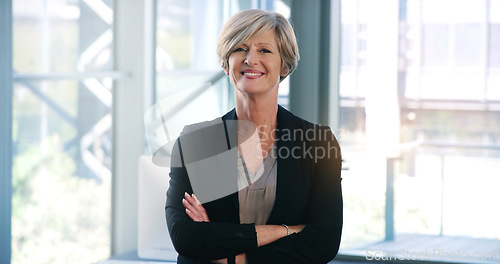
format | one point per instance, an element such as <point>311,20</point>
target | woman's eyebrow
<point>265,44</point>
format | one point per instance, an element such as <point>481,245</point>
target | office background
<point>410,87</point>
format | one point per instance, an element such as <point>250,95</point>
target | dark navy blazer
<point>308,192</point>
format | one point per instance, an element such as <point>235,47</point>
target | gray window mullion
<point>5,129</point>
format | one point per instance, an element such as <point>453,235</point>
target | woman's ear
<point>284,72</point>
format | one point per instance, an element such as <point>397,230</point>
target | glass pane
<point>457,169</point>
<point>61,174</point>
<point>448,11</point>
<point>62,36</point>
<point>422,194</point>
<point>436,45</point>
<point>451,84</point>
<point>493,84</point>
<point>178,108</point>
<point>413,11</point>
<point>186,39</point>
<point>493,80</point>
<point>62,132</point>
<point>494,58</point>
<point>347,45</point>
<point>467,52</point>
<point>494,10</point>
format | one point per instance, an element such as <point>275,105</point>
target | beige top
<point>257,192</point>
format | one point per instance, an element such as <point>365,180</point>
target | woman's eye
<point>265,51</point>
<point>239,50</point>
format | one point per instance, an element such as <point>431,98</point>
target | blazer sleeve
<point>320,240</point>
<point>202,240</point>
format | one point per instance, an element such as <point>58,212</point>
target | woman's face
<point>255,66</point>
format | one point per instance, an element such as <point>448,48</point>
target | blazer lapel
<point>288,167</point>
<point>231,126</point>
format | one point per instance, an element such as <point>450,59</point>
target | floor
<point>404,249</point>
<point>429,248</point>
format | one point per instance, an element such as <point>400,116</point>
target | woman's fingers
<point>200,207</point>
<point>191,215</point>
<point>194,208</point>
<point>189,206</point>
<point>191,210</point>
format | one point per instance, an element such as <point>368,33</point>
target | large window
<point>62,58</point>
<point>62,118</point>
<point>428,76</point>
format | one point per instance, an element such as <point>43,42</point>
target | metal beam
<point>5,130</point>
<point>389,199</point>
<point>333,104</point>
<point>310,82</point>
<point>54,76</point>
<point>52,104</point>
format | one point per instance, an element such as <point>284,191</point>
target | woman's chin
<point>254,90</point>
<point>251,90</point>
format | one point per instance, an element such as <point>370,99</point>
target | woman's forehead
<point>264,38</point>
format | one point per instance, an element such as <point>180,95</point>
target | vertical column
<point>389,199</point>
<point>485,48</point>
<point>334,69</point>
<point>6,89</point>
<point>310,83</point>
<point>128,128</point>
<point>382,106</point>
<point>150,52</point>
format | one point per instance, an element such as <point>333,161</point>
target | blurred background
<point>410,87</point>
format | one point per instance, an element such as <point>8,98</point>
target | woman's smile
<point>252,74</point>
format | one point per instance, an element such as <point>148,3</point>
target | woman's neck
<point>256,136</point>
<point>260,110</point>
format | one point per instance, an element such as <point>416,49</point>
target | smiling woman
<point>261,196</point>
<point>240,28</point>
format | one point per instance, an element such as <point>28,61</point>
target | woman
<point>267,183</point>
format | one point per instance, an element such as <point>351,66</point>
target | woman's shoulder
<point>202,125</point>
<point>288,120</point>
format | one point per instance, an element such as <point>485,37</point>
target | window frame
<point>6,90</point>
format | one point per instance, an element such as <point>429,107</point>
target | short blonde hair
<point>249,23</point>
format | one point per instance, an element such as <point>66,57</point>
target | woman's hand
<point>194,209</point>
<point>296,229</point>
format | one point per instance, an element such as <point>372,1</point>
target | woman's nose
<point>251,58</point>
